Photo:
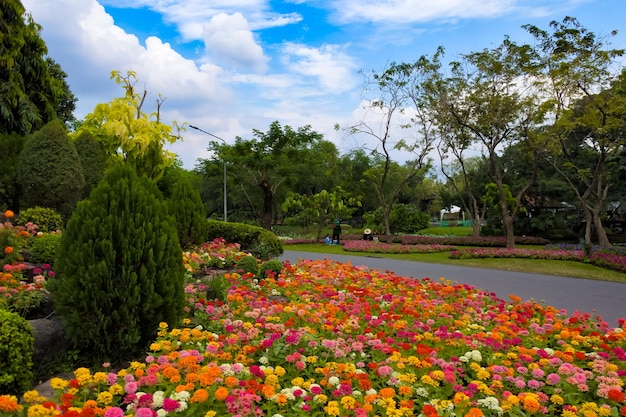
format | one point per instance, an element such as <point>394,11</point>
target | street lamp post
<point>224,163</point>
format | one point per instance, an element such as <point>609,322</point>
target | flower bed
<point>561,255</point>
<point>498,241</point>
<point>214,254</point>
<point>378,247</point>
<point>331,339</point>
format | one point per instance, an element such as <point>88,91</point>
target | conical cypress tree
<point>120,270</point>
<point>189,212</point>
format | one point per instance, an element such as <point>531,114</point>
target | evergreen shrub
<point>17,343</point>
<point>273,267</point>
<point>47,219</point>
<point>120,269</point>
<point>44,249</point>
<point>247,264</point>
<point>251,238</point>
<point>50,171</point>
<point>92,159</point>
<point>189,213</point>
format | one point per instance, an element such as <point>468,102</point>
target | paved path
<point>608,299</point>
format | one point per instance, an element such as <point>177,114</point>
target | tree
<point>65,99</point>
<point>30,96</point>
<point>491,99</point>
<point>50,172</point>
<point>11,145</point>
<point>402,110</point>
<point>129,135</point>
<point>91,159</point>
<point>186,208</point>
<point>120,268</point>
<point>588,104</point>
<point>266,165</point>
<point>319,209</point>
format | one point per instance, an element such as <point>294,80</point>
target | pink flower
<point>130,387</point>
<point>114,412</point>
<point>384,370</point>
<point>170,405</point>
<point>553,379</point>
<point>145,412</point>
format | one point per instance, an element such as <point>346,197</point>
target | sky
<point>232,66</point>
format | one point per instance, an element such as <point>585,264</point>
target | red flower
<point>616,395</point>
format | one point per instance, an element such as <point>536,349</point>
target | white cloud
<point>332,68</point>
<point>229,41</point>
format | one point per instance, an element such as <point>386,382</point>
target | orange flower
<point>199,396</point>
<point>8,403</point>
<point>9,214</point>
<point>387,392</point>
<point>231,381</point>
<point>474,412</point>
<point>221,393</point>
<point>8,250</point>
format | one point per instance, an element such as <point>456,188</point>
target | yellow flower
<point>280,371</point>
<point>105,398</point>
<point>332,408</point>
<point>210,414</point>
<point>58,383</point>
<point>33,396</point>
<point>39,410</point>
<point>556,399</point>
<point>116,389</point>
<point>348,402</point>
<point>297,382</point>
<point>100,377</point>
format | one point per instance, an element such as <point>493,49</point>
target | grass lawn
<point>548,267</point>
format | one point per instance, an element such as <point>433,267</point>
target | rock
<point>50,340</point>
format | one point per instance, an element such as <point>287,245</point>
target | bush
<point>16,354</point>
<point>44,249</point>
<point>247,264</point>
<point>404,218</point>
<point>92,159</point>
<point>120,268</point>
<point>189,213</point>
<point>47,219</point>
<point>50,171</point>
<point>251,238</point>
<point>271,267</point>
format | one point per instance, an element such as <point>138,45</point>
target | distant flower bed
<point>214,254</point>
<point>562,255</point>
<point>464,240</point>
<point>295,241</point>
<point>332,339</point>
<point>378,247</point>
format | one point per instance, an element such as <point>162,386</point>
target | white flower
<point>180,396</point>
<point>333,380</point>
<point>157,399</point>
<point>371,391</point>
<point>421,392</point>
<point>264,360</point>
<point>161,413</point>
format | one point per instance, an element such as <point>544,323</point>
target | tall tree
<point>28,98</point>
<point>65,100</point>
<point>405,124</point>
<point>588,105</point>
<point>266,165</point>
<point>11,145</point>
<point>128,134</point>
<point>491,99</point>
<point>50,171</point>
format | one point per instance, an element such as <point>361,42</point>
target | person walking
<point>336,231</point>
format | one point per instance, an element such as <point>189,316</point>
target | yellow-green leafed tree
<point>129,135</point>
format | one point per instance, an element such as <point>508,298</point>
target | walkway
<point>608,299</point>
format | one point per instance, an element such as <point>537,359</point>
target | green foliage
<point>248,264</point>
<point>92,160</point>
<point>10,148</point>
<point>120,268</point>
<point>270,267</point>
<point>251,238</point>
<point>404,218</point>
<point>27,96</point>
<point>186,207</point>
<point>50,172</point>
<point>217,288</point>
<point>129,135</point>
<point>319,209</point>
<point>16,354</point>
<point>47,219</point>
<point>44,249</point>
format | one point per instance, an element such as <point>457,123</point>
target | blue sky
<point>231,66</point>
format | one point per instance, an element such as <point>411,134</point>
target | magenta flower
<point>114,412</point>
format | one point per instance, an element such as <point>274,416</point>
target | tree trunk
<point>507,221</point>
<point>268,206</point>
<point>588,223</point>
<point>386,214</point>
<point>603,240</point>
